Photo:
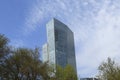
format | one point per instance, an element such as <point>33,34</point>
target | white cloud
<point>96,25</point>
<point>105,42</point>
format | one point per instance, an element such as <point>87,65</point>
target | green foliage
<point>70,74</point>
<point>20,63</point>
<point>4,49</point>
<point>3,41</point>
<point>109,70</point>
<point>66,73</point>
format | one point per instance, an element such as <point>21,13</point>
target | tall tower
<point>59,49</point>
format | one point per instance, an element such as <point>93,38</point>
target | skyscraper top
<point>58,22</point>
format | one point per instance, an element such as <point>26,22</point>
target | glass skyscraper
<point>59,49</point>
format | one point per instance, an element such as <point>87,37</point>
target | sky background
<point>95,23</point>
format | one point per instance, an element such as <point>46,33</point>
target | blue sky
<point>95,23</point>
<point>12,23</point>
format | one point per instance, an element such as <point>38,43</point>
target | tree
<point>4,49</point>
<point>23,64</point>
<point>109,70</point>
<point>66,73</point>
<point>20,63</point>
<point>69,73</point>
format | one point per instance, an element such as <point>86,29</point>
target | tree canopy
<point>4,49</point>
<point>109,70</point>
<point>20,63</point>
<point>65,73</point>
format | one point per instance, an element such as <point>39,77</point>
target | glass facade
<point>60,41</point>
<point>45,53</point>
<point>51,42</point>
